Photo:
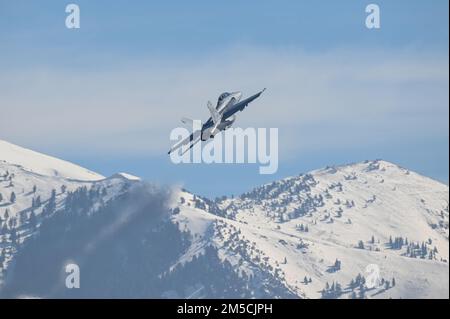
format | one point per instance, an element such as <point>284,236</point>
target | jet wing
<point>241,105</point>
<point>189,142</point>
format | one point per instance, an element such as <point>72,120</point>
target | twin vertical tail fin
<point>216,117</point>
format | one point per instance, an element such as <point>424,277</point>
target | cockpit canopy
<point>222,97</point>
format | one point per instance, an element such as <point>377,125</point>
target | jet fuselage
<point>227,105</point>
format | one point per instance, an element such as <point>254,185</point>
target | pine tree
<point>37,201</point>
<point>362,291</point>
<point>338,289</point>
<point>22,218</point>
<point>13,197</point>
<point>12,223</point>
<point>13,236</point>
<point>358,279</point>
<point>53,195</point>
<point>32,220</point>
<point>352,284</point>
<point>337,264</point>
<point>50,207</point>
<point>361,244</point>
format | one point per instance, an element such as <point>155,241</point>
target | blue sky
<point>107,95</point>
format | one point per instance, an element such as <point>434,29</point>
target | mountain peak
<point>42,164</point>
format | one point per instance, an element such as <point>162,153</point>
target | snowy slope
<point>264,230</point>
<point>332,227</point>
<point>29,180</point>
<point>38,163</point>
<point>32,176</point>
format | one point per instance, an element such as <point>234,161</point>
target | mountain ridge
<point>312,235</point>
<point>39,163</point>
<point>327,213</point>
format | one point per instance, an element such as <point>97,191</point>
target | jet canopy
<point>222,97</point>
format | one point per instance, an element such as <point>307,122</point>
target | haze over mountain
<point>363,230</point>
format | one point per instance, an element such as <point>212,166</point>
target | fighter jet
<point>222,117</point>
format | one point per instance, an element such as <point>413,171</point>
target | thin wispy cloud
<point>314,99</point>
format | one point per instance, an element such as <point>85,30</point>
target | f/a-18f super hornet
<point>222,117</point>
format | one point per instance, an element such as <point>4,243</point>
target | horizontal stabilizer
<point>187,121</point>
<point>188,142</point>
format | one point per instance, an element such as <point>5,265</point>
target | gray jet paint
<point>222,117</point>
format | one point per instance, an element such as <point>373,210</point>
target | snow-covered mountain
<point>372,230</point>
<point>33,186</point>
<point>332,225</point>
<point>28,180</point>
